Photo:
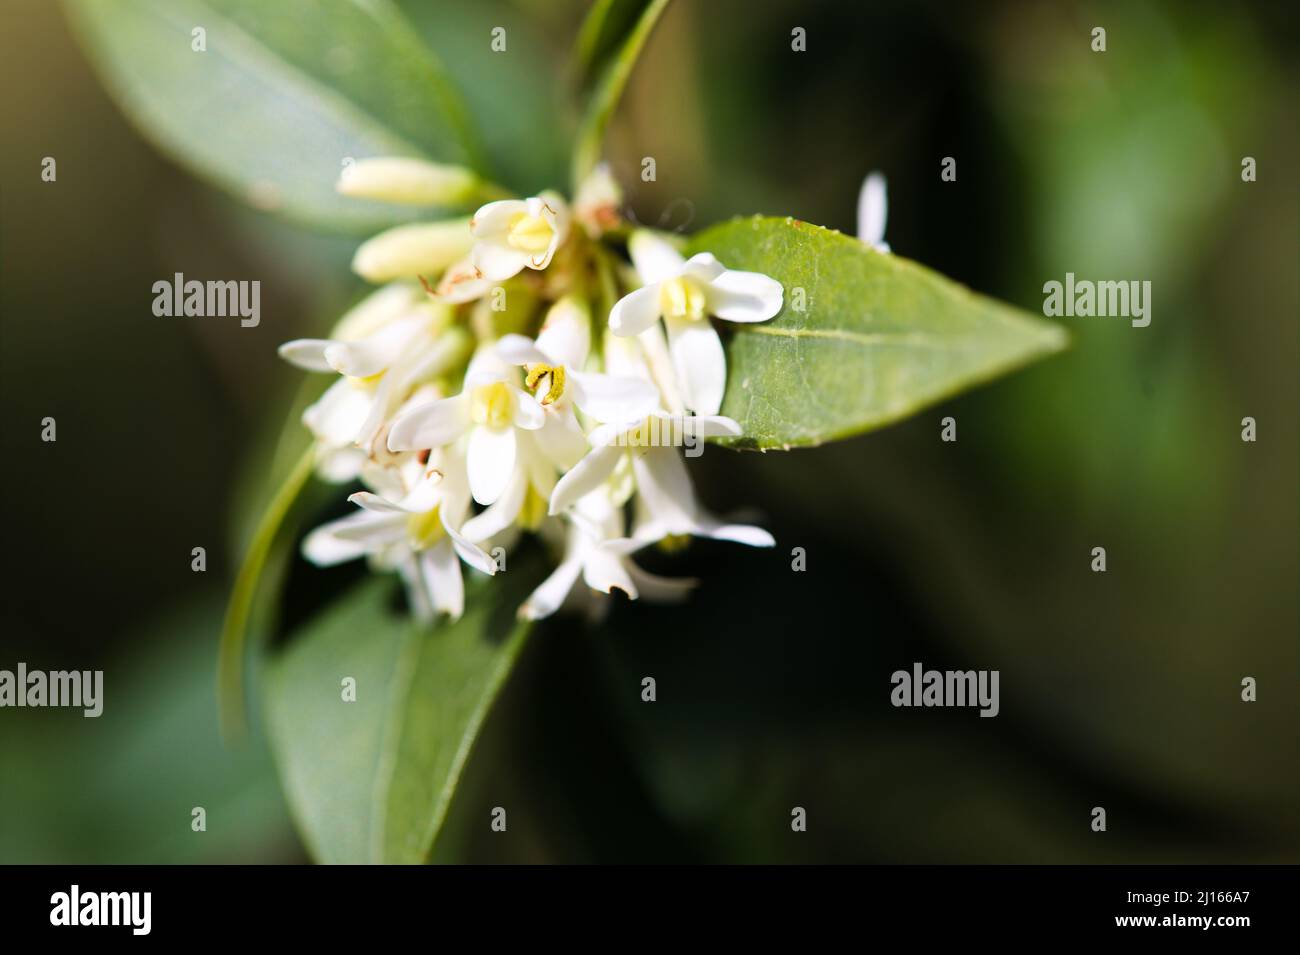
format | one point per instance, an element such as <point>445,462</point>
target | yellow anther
<point>490,405</point>
<point>556,388</point>
<point>681,297</point>
<point>424,530</point>
<point>530,234</point>
<point>674,543</point>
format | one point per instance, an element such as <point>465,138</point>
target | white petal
<point>635,312</point>
<point>560,441</point>
<point>566,333</point>
<point>351,537</point>
<point>655,258</point>
<point>704,267</point>
<point>664,590</point>
<point>375,353</point>
<point>497,261</point>
<point>528,415</point>
<point>519,350</point>
<point>501,514</point>
<point>441,572</point>
<point>665,488</point>
<point>700,363</point>
<point>607,398</point>
<point>491,461</point>
<point>710,426</point>
<point>873,208</point>
<point>416,590</point>
<point>307,353</point>
<point>548,597</point>
<point>584,477</point>
<point>468,551</point>
<point>710,527</point>
<point>339,414</point>
<point>604,571</point>
<point>430,426</point>
<point>493,220</point>
<point>744,297</point>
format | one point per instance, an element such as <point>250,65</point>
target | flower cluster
<point>467,431</point>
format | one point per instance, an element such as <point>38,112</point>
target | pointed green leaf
<point>864,338</point>
<point>371,780</point>
<point>616,58</point>
<point>280,95</point>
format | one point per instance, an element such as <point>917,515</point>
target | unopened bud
<point>415,182</point>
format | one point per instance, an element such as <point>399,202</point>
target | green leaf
<point>283,93</point>
<point>878,339</point>
<point>234,627</point>
<point>617,69</point>
<point>605,28</point>
<point>371,780</point>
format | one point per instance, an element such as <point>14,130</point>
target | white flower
<point>685,293</point>
<point>873,209</point>
<point>491,408</point>
<point>408,181</point>
<point>415,533</point>
<point>513,234</point>
<point>462,282</point>
<point>663,486</point>
<point>554,365</point>
<point>392,339</point>
<point>596,551</point>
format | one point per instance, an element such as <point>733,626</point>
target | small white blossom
<point>685,293</point>
<point>511,235</point>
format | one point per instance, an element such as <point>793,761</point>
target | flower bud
<point>408,181</point>
<point>411,250</point>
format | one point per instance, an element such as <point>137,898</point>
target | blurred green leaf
<point>371,780</point>
<point>605,97</point>
<point>880,337</point>
<point>283,93</point>
<point>603,30</point>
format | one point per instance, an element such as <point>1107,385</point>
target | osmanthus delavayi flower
<point>511,235</point>
<point>565,434</point>
<point>492,409</point>
<point>685,293</point>
<point>393,339</point>
<point>596,551</point>
<point>410,524</point>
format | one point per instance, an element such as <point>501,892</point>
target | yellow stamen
<point>681,297</point>
<point>674,543</point>
<point>534,510</point>
<point>490,405</point>
<point>530,234</point>
<point>368,383</point>
<point>556,385</point>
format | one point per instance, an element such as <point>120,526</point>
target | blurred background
<point>1119,690</point>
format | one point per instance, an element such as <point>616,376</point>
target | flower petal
<point>700,363</point>
<point>655,258</point>
<point>605,571</point>
<point>307,353</point>
<point>528,415</point>
<point>491,461</point>
<point>584,477</point>
<point>607,398</point>
<point>430,425</point>
<point>493,220</point>
<point>441,572</point>
<point>744,297</point>
<point>635,312</point>
<point>501,514</point>
<point>664,590</point>
<point>520,350</point>
<point>375,353</point>
<point>552,591</point>
<point>873,208</point>
<point>497,261</point>
<point>468,551</point>
<point>665,488</point>
<point>566,333</point>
